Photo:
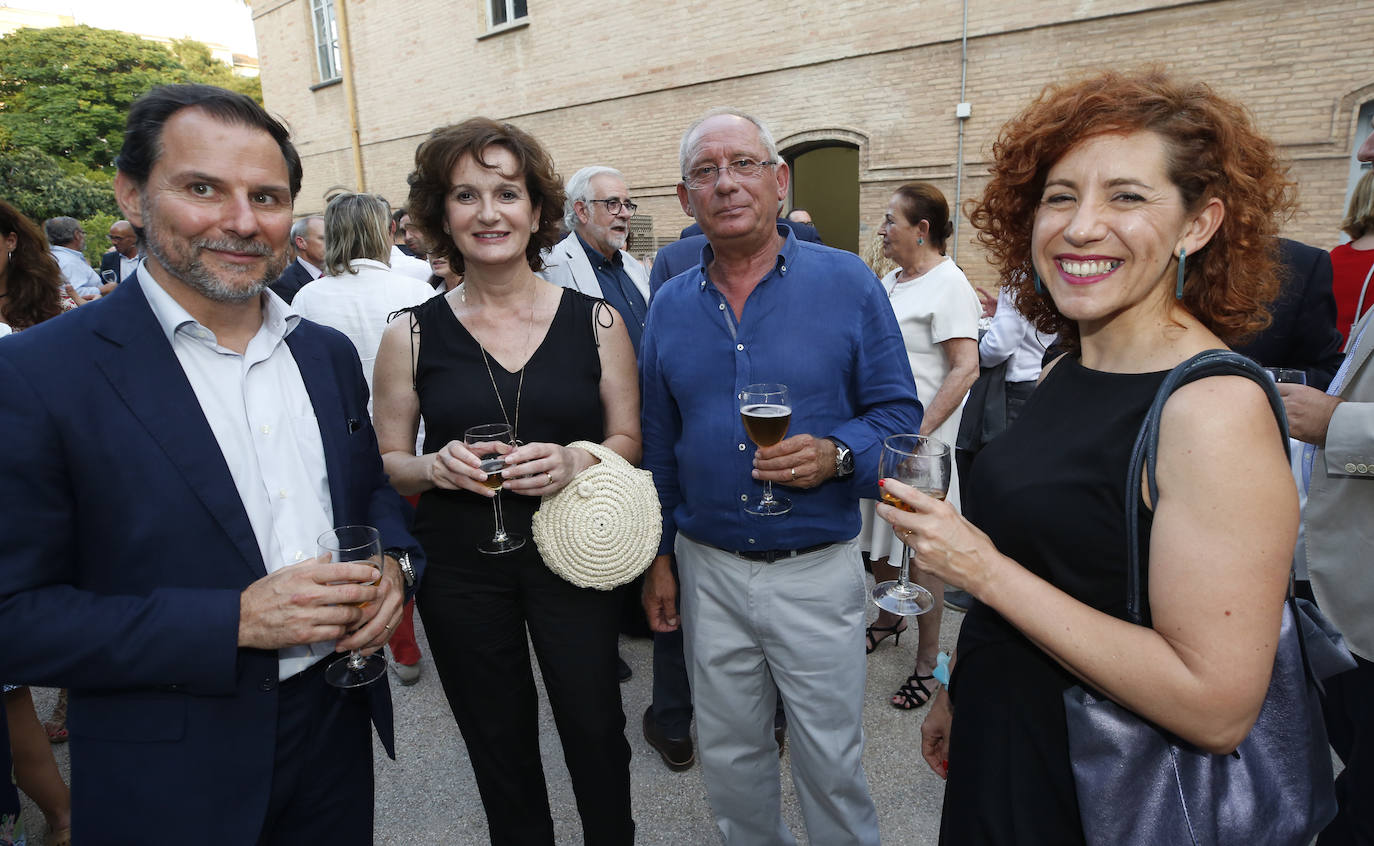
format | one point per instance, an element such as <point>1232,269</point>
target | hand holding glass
<point>766,412</point>
<point>925,464</point>
<point>354,545</point>
<point>482,441</point>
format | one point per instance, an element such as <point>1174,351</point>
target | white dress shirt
<point>409,265</point>
<point>265,426</point>
<point>1013,339</point>
<point>76,270</point>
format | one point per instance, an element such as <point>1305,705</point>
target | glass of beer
<point>925,464</point>
<point>484,441</point>
<point>766,412</point>
<point>354,545</point>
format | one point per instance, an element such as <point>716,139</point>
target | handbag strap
<point>603,452</point>
<point>1359,306</point>
<point>1146,449</point>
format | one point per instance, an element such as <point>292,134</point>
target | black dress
<point>476,608</point>
<point>1050,492</point>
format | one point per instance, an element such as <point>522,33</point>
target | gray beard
<point>195,275</point>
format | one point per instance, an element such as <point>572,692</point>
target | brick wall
<point>880,74</point>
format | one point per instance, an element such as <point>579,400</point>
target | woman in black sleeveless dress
<point>557,366</point>
<point>1129,214</point>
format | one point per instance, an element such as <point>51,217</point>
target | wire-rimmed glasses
<point>705,176</point>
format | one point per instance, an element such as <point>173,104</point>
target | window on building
<point>507,11</point>
<point>326,38</point>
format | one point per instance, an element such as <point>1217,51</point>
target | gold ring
<point>794,472</point>
<point>385,626</point>
<point>550,476</point>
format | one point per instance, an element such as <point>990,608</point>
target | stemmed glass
<point>482,440</point>
<point>354,545</point>
<point>766,412</point>
<point>923,463</point>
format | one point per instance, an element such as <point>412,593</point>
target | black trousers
<point>1348,707</point>
<point>322,778</point>
<point>476,610</point>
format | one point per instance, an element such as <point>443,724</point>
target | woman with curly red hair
<point>1135,216</point>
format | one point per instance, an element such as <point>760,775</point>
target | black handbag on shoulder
<point>1137,784</point>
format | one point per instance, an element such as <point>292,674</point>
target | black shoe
<point>959,600</point>
<point>677,752</point>
<point>622,670</point>
<point>780,735</point>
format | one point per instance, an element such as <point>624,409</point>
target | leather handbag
<point>1138,784</point>
<point>602,529</point>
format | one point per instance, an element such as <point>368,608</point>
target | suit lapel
<point>1361,353</point>
<point>325,399</point>
<point>144,371</point>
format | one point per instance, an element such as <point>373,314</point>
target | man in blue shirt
<point>769,604</point>
<point>592,259</point>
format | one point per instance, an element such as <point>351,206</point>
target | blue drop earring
<point>1035,275</point>
<point>1178,288</point>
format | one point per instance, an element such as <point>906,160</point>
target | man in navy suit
<point>162,505</point>
<point>124,259</point>
<point>307,236</point>
<point>1303,334</point>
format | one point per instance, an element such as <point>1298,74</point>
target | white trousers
<point>754,629</point>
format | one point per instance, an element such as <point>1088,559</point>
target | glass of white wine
<point>354,545</point>
<point>766,412</point>
<point>923,463</point>
<point>483,440</point>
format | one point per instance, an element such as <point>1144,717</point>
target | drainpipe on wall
<point>962,112</point>
<point>350,93</point>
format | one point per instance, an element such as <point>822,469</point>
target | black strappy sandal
<point>914,693</point>
<point>892,632</point>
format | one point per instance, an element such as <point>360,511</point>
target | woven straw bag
<point>601,530</point>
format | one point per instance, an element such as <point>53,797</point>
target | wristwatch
<point>403,559</point>
<point>844,459</point>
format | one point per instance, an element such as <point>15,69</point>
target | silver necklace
<point>520,386</point>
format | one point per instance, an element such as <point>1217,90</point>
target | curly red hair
<point>1213,150</point>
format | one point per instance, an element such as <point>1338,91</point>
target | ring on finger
<point>549,476</point>
<point>794,472</point>
<point>385,626</point>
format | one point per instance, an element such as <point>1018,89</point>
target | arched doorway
<point>825,182</point>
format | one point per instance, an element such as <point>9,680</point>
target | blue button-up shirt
<point>77,271</point>
<point>819,323</point>
<point>618,290</point>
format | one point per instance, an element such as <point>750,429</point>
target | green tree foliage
<point>65,91</point>
<point>41,187</point>
<point>97,229</point>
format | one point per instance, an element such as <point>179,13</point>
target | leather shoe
<point>622,670</point>
<point>958,600</point>
<point>677,753</point>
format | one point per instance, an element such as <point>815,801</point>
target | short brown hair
<point>432,178</point>
<point>923,201</point>
<point>1213,150</point>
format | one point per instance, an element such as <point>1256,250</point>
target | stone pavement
<point>428,796</point>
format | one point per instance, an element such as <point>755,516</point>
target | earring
<point>534,227</point>
<point>1178,288</point>
<point>1035,275</point>
<point>920,241</point>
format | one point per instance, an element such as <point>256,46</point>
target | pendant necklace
<point>520,386</point>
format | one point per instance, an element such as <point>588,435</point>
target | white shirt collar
<point>278,317</point>
<point>315,272</point>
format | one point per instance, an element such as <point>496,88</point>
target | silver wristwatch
<point>403,560</point>
<point>844,459</point>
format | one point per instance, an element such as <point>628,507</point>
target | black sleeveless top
<point>559,402</point>
<point>1051,494</point>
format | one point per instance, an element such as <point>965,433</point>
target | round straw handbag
<point>601,530</point>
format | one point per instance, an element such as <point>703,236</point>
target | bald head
<point>124,239</point>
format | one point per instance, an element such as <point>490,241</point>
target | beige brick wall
<point>881,74</point>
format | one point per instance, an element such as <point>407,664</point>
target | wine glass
<point>482,440</point>
<point>766,412</point>
<point>357,545</point>
<point>923,463</point>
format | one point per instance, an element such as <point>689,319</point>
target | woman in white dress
<point>938,312</point>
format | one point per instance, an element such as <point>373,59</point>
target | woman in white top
<point>938,312</point>
<point>359,291</point>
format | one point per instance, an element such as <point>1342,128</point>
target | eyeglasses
<point>706,176</point>
<point>615,204</point>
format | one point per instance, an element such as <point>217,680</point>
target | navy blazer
<point>1303,334</point>
<point>292,279</point>
<point>126,548</point>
